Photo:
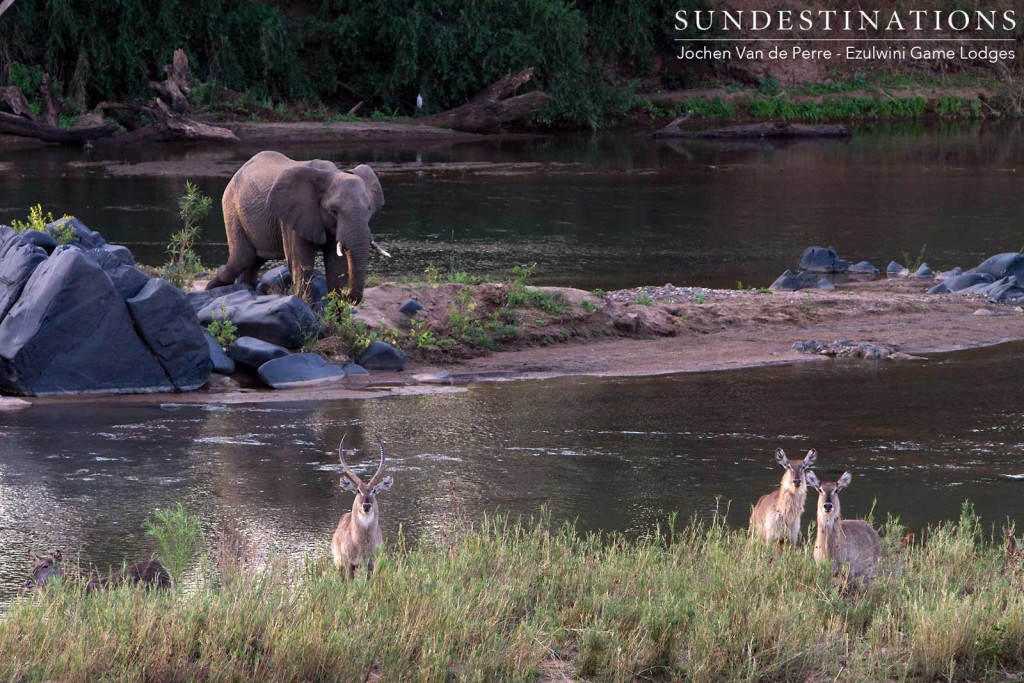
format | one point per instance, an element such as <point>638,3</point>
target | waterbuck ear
<point>844,481</point>
<point>809,459</point>
<point>780,457</point>
<point>384,485</point>
<point>812,479</point>
<point>348,485</point>
<point>57,556</point>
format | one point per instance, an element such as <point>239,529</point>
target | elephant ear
<point>295,200</point>
<point>372,186</point>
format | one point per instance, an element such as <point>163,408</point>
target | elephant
<point>275,206</point>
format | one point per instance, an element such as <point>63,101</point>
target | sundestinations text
<point>846,20</point>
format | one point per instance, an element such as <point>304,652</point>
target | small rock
<point>354,370</point>
<point>222,384</point>
<point>199,300</point>
<point>88,239</point>
<point>382,356</point>
<point>253,352</point>
<point>411,307</point>
<point>811,346</point>
<point>862,268</point>
<point>825,284</point>
<point>300,370</point>
<point>37,238</point>
<point>983,312</point>
<point>9,403</point>
<point>275,281</point>
<point>940,288</point>
<point>440,377</point>
<point>221,362</point>
<point>822,260</point>
<point>924,271</point>
<point>894,269</point>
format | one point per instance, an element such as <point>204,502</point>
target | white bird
<point>419,101</point>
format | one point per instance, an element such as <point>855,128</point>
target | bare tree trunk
<point>486,112</point>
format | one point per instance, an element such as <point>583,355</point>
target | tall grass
<point>509,601</point>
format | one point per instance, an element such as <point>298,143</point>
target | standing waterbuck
<point>150,574</point>
<point>776,517</point>
<point>839,540</point>
<point>358,533</point>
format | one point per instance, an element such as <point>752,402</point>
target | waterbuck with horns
<point>776,517</point>
<point>358,533</point>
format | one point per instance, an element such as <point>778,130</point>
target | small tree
<point>184,265</point>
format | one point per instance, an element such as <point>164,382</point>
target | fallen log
<point>17,125</point>
<point>179,129</point>
<point>776,129</point>
<point>489,110</point>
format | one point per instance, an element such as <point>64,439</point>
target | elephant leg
<point>300,255</point>
<point>337,269</point>
<point>251,274</point>
<point>241,252</point>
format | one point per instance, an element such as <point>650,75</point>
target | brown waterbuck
<point>776,517</point>
<point>149,574</point>
<point>839,541</point>
<point>358,533</point>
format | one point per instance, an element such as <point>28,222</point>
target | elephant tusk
<point>340,252</point>
<point>379,249</point>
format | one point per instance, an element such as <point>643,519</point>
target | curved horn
<point>380,468</point>
<point>346,470</point>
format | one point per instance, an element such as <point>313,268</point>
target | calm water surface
<point>617,211</point>
<point>613,454</point>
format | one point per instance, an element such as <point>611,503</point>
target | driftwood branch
<point>17,125</point>
<point>16,101</point>
<point>176,87</point>
<point>493,107</point>
<point>759,130</point>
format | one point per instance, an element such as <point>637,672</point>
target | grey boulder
<point>81,234</point>
<point>961,282</point>
<point>167,324</point>
<point>410,307</point>
<point>1003,265</point>
<point>822,260</point>
<point>70,332</point>
<point>222,364</point>
<point>862,268</point>
<point>15,269</point>
<point>38,238</point>
<point>253,352</point>
<point>283,320</point>
<point>790,282</point>
<point>299,370</point>
<point>382,356</point>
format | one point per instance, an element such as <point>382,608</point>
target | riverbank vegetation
<point>508,600</point>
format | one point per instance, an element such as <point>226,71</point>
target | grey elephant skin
<point>276,207</point>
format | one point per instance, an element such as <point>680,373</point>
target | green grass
<point>505,601</point>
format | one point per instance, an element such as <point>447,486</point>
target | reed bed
<point>522,600</point>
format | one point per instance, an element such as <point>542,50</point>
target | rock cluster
<point>1000,279</point>
<point>844,348</point>
<point>80,318</point>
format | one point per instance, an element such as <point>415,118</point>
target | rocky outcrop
<point>84,320</point>
<point>286,321</point>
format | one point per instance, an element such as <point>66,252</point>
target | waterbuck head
<point>47,566</point>
<point>828,494</point>
<point>365,505</point>
<point>797,470</point>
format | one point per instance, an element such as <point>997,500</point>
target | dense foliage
<point>340,51</point>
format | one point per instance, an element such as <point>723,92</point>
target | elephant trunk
<point>357,254</point>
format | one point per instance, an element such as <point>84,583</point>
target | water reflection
<point>617,211</point>
<point>613,454</point>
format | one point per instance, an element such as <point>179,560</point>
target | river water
<point>612,454</point>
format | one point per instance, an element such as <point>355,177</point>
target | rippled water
<point>614,211</point>
<point>613,454</point>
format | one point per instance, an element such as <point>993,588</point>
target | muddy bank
<point>652,331</point>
